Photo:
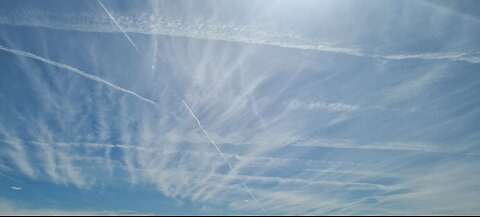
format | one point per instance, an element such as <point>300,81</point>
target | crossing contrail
<point>75,70</point>
<point>98,79</point>
<point>224,158</point>
<point>119,27</point>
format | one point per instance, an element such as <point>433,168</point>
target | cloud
<point>15,151</point>
<point>441,191</point>
<point>16,188</point>
<point>321,105</point>
<point>325,134</point>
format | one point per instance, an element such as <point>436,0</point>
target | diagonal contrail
<point>98,79</point>
<point>13,179</point>
<point>224,158</point>
<point>75,70</point>
<point>119,27</point>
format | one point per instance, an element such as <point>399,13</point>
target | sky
<point>255,107</point>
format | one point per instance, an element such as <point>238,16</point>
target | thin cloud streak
<point>224,158</point>
<point>466,57</point>
<point>119,27</point>
<point>75,70</point>
<point>13,179</point>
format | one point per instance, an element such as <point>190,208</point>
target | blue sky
<point>239,107</point>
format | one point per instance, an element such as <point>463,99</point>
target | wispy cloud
<point>397,146</point>
<point>15,208</point>
<point>236,127</point>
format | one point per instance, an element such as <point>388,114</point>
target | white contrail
<point>154,24</point>
<point>224,158</point>
<point>467,57</point>
<point>13,179</point>
<point>119,27</point>
<point>75,70</point>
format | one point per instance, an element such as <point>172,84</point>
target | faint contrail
<point>75,70</point>
<point>119,27</point>
<point>13,179</point>
<point>224,158</point>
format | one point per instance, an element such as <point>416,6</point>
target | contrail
<point>13,179</point>
<point>467,57</point>
<point>224,158</point>
<point>75,70</point>
<point>119,27</point>
<point>201,29</point>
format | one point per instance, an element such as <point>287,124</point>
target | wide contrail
<point>119,27</point>
<point>75,70</point>
<point>224,158</point>
<point>157,24</point>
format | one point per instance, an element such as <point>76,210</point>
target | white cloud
<point>322,105</point>
<point>443,190</point>
<point>16,152</point>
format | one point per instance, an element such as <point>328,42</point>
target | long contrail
<point>119,27</point>
<point>224,158</point>
<point>75,70</point>
<point>200,29</point>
